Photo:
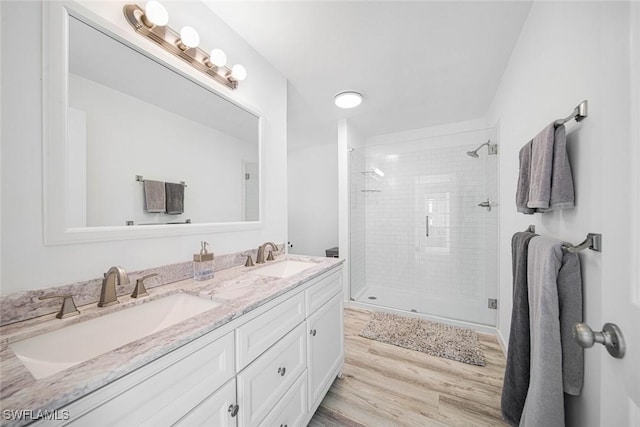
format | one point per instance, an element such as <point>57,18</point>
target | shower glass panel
<point>418,239</point>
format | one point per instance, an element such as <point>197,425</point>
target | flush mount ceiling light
<point>348,99</point>
<point>151,22</point>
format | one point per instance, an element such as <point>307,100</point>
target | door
<point>620,378</point>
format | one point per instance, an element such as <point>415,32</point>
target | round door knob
<point>233,410</point>
<point>611,337</point>
<point>282,371</point>
<point>313,332</point>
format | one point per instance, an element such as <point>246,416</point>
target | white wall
<point>26,262</point>
<point>566,52</point>
<point>313,199</point>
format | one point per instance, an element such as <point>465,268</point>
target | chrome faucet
<point>108,294</point>
<point>260,256</point>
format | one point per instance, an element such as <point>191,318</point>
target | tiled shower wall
<point>447,268</point>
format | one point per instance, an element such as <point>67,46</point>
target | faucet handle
<point>68,307</point>
<point>270,256</point>
<point>249,262</point>
<point>140,290</point>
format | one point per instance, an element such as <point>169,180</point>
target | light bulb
<point>218,58</point>
<point>238,72</point>
<point>189,37</point>
<point>348,99</point>
<point>156,13</point>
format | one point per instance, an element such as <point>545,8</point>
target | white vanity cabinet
<point>271,366</point>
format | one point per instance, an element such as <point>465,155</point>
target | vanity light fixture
<point>348,99</point>
<point>151,22</point>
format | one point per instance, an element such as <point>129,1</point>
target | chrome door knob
<point>233,410</point>
<point>611,337</point>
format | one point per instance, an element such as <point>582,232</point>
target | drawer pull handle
<point>233,410</point>
<point>283,425</point>
<point>282,371</point>
<point>313,332</point>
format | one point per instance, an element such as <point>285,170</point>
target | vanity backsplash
<point>25,305</point>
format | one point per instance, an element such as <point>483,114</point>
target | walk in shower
<point>423,226</point>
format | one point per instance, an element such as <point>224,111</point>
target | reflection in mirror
<point>129,115</point>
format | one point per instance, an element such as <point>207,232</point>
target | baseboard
<point>503,343</point>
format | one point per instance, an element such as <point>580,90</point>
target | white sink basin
<point>284,268</point>
<point>55,351</point>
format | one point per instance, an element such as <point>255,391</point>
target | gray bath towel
<point>154,196</point>
<point>175,198</point>
<point>562,195</point>
<point>553,281</point>
<point>522,192</point>
<point>516,375</point>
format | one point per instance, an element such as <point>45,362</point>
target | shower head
<point>493,149</point>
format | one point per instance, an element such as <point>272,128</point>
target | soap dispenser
<point>203,263</point>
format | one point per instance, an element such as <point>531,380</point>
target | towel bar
<point>593,242</point>
<point>140,178</point>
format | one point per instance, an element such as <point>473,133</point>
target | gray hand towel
<point>541,168</point>
<point>553,281</point>
<point>154,196</point>
<point>522,192</point>
<point>562,195</point>
<point>516,375</point>
<point>175,198</point>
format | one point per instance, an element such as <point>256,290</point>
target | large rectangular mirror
<point>129,117</point>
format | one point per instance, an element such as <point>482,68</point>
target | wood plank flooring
<point>385,385</point>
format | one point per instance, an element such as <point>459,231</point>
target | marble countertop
<point>238,291</point>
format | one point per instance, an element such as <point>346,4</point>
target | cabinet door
<point>219,409</point>
<point>325,351</point>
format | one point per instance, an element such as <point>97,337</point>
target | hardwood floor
<point>385,385</point>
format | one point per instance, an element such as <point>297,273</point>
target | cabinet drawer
<point>214,411</point>
<point>267,379</point>
<point>292,408</point>
<point>166,394</point>
<point>256,336</point>
<point>317,295</point>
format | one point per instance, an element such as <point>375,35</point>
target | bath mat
<point>436,339</point>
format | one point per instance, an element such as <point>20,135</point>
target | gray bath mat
<point>436,339</point>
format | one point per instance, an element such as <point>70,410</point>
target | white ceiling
<point>417,63</point>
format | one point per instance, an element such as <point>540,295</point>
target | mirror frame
<point>55,103</point>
